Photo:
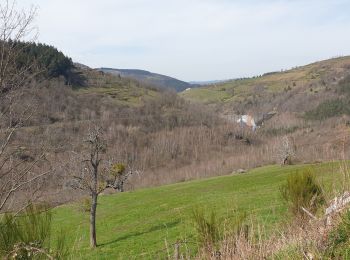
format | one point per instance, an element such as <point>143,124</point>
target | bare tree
<point>17,171</point>
<point>15,26</point>
<point>285,151</point>
<point>96,175</point>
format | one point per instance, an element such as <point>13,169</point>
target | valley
<point>100,161</point>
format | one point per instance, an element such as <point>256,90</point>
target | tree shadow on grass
<point>136,234</point>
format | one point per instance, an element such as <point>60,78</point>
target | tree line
<point>45,61</point>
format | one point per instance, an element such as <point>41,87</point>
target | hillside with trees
<point>43,60</point>
<point>100,165</point>
<point>146,77</point>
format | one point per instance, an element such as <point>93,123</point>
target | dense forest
<point>45,61</point>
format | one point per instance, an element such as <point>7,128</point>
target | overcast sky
<point>196,39</point>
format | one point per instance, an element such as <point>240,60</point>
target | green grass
<point>124,95</point>
<point>137,224</point>
<point>121,91</point>
<point>272,83</point>
<point>205,95</point>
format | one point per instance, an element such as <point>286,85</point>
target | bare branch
<point>18,186</point>
<point>16,30</point>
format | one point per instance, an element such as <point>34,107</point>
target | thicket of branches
<point>20,175</point>
<point>165,136</point>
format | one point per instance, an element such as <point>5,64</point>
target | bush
<point>85,205</point>
<point>210,230</point>
<point>280,130</point>
<point>27,236</point>
<point>329,108</point>
<point>302,190</point>
<point>339,239</point>
<point>344,85</point>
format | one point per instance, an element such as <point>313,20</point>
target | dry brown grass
<point>309,240</point>
<point>297,238</point>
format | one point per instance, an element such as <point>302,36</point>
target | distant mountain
<point>147,77</point>
<point>81,66</point>
<point>208,82</point>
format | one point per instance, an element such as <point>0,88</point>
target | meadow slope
<point>138,224</point>
<point>315,79</point>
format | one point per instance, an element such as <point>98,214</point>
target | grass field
<point>124,95</point>
<point>135,225</point>
<point>275,82</point>
<point>121,91</point>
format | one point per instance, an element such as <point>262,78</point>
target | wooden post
<point>177,251</point>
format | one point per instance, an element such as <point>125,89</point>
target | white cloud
<point>196,39</point>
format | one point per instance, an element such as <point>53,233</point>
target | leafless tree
<point>285,150</point>
<point>18,171</point>
<point>96,175</point>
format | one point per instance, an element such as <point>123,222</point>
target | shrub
<point>283,130</point>
<point>286,151</point>
<point>85,205</point>
<point>210,230</point>
<point>27,236</point>
<point>302,190</point>
<point>339,239</point>
<point>344,85</point>
<point>329,108</point>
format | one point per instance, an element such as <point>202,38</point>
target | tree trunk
<point>93,243</point>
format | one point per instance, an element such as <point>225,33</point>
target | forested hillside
<point>146,77</point>
<point>117,164</point>
<point>43,60</point>
<point>169,138</point>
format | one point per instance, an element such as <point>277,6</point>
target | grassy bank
<point>139,224</point>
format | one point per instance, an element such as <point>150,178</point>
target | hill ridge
<point>313,83</point>
<point>156,79</point>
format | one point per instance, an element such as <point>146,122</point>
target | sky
<point>195,40</point>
